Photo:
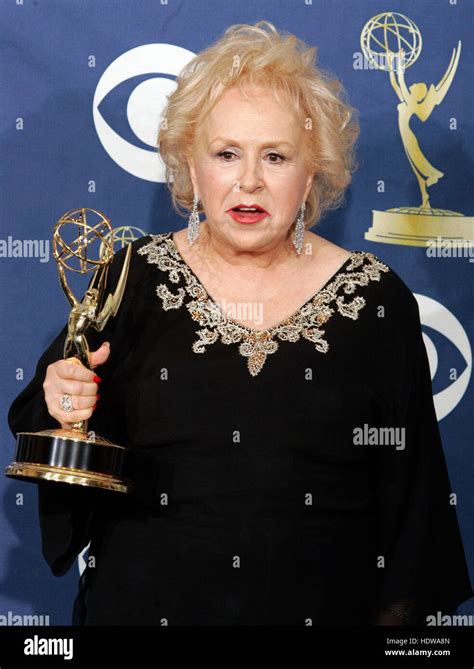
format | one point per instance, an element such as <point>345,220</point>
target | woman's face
<point>250,152</point>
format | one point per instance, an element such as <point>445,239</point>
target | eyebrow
<point>264,145</point>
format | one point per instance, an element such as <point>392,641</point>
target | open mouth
<point>251,213</point>
<point>252,210</point>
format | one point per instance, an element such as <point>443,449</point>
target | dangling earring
<point>193,222</point>
<point>299,230</point>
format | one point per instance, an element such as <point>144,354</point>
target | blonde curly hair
<point>283,64</point>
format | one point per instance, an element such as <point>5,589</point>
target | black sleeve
<point>65,510</point>
<point>418,537</point>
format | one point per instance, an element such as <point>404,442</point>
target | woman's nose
<point>251,174</point>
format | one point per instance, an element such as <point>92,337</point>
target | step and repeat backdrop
<point>83,85</point>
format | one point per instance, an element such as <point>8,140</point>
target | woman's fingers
<point>71,416</point>
<point>101,355</point>
<point>71,377</point>
<point>79,402</point>
<point>73,369</point>
<point>77,388</point>
<point>83,407</point>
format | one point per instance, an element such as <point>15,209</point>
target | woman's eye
<point>223,153</point>
<point>277,155</point>
<point>273,153</point>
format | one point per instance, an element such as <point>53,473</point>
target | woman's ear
<point>192,172</point>
<point>309,183</point>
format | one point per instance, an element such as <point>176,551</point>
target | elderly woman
<point>255,370</point>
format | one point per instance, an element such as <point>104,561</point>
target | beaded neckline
<point>255,344</point>
<point>214,304</point>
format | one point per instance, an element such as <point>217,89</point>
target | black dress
<point>268,490</point>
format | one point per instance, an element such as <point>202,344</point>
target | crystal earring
<point>299,229</point>
<point>193,222</point>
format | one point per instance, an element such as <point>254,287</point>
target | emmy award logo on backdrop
<point>392,42</point>
<point>74,455</point>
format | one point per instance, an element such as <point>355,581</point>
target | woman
<point>246,357</point>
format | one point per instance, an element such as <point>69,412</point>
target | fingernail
<point>97,379</point>
<point>94,406</point>
<point>107,343</point>
<point>98,396</point>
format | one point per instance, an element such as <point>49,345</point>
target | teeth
<point>247,209</point>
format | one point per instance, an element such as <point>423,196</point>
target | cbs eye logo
<point>146,101</point>
<point>454,343</point>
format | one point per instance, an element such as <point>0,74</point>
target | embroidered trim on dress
<point>256,345</point>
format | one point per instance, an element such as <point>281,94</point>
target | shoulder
<point>137,268</point>
<point>393,289</point>
<point>151,246</point>
<point>393,306</point>
<point>142,246</point>
<point>361,267</point>
<point>366,274</point>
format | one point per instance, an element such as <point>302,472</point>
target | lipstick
<point>247,213</point>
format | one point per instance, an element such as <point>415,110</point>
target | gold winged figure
<point>92,310</point>
<point>419,100</point>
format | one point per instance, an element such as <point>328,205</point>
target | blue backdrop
<point>83,82</point>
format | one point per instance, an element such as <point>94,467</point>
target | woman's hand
<point>70,376</point>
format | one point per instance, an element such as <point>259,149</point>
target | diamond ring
<point>66,403</point>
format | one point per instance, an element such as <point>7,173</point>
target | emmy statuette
<point>75,455</point>
<point>392,42</point>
